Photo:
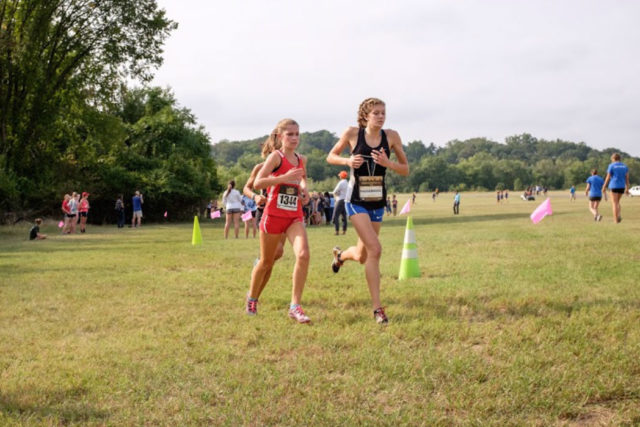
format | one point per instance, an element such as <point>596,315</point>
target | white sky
<point>447,69</point>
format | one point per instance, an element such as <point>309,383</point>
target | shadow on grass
<point>81,246</point>
<point>65,406</point>
<point>482,309</point>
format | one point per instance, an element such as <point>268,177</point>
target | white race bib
<point>370,188</point>
<point>287,198</point>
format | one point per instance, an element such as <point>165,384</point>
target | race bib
<point>287,198</point>
<point>370,188</point>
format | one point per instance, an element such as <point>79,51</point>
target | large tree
<point>61,55</point>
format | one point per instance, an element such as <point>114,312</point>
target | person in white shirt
<point>233,208</point>
<point>339,193</point>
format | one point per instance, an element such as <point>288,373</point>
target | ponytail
<point>230,186</point>
<point>273,142</point>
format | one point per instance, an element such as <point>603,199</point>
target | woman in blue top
<point>249,205</point>
<point>618,181</point>
<point>370,147</point>
<point>594,193</point>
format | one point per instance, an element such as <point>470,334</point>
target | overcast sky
<point>446,69</point>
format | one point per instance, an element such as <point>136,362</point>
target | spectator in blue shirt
<point>136,202</point>
<point>618,181</point>
<point>250,205</point>
<point>594,193</point>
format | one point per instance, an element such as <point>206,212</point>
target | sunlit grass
<point>510,324</point>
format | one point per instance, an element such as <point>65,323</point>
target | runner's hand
<point>293,175</point>
<point>304,197</point>
<point>355,161</point>
<point>380,157</point>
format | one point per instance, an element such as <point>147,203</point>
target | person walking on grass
<point>73,212</point>
<point>618,181</point>
<point>137,201</point>
<point>594,193</point>
<point>370,147</point>
<point>66,213</point>
<point>456,203</point>
<point>284,175</point>
<point>394,205</point>
<point>328,207</point>
<point>340,192</point>
<point>249,225</point>
<point>233,208</point>
<point>83,211</point>
<point>572,193</point>
<point>119,208</point>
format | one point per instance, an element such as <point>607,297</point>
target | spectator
<point>137,201</point>
<point>34,233</point>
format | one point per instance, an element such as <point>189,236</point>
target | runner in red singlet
<point>284,175</point>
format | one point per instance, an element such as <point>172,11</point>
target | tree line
<point>474,164</point>
<point>76,114</point>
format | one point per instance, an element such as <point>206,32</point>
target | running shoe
<point>380,317</point>
<point>336,263</point>
<point>298,314</point>
<point>599,218</point>
<point>252,307</point>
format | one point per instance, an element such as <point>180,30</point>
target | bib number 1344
<point>288,198</point>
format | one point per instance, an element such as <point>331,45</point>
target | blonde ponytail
<point>273,142</point>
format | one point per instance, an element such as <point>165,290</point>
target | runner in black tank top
<point>367,186</point>
<point>366,195</point>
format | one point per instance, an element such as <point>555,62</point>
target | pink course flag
<point>215,214</point>
<point>61,224</point>
<point>246,216</point>
<point>541,211</point>
<point>406,208</point>
<point>165,214</point>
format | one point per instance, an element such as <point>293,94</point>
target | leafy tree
<point>63,61</point>
<point>416,150</point>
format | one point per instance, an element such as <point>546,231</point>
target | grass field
<point>511,324</point>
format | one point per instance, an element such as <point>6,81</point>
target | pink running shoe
<point>298,314</point>
<point>252,307</point>
<point>380,317</point>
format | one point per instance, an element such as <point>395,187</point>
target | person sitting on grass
<point>34,233</point>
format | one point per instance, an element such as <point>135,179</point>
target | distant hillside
<point>476,163</point>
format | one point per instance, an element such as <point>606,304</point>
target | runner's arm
<point>335,155</point>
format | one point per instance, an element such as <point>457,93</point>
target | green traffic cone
<point>409,262</point>
<point>196,238</point>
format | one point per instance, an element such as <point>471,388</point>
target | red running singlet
<point>284,199</point>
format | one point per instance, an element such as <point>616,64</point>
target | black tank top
<point>367,184</point>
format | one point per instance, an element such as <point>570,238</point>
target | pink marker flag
<point>246,216</point>
<point>165,214</point>
<point>541,211</point>
<point>406,208</point>
<point>215,214</point>
<point>61,224</point>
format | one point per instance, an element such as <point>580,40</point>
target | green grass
<point>511,324</point>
